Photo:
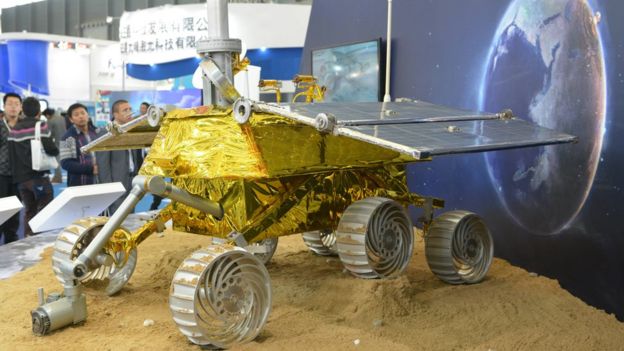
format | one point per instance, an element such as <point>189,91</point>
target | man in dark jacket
<point>81,168</point>
<point>13,107</point>
<point>119,165</point>
<point>34,187</point>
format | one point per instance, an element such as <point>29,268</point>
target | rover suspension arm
<point>91,256</point>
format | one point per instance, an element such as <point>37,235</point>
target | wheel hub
<point>233,299</point>
<point>472,248</point>
<point>390,240</point>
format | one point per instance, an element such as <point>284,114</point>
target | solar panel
<point>135,134</point>
<point>416,128</point>
<point>422,129</point>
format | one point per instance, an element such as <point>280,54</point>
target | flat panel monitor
<point>351,72</point>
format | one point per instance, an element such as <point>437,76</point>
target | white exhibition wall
<point>106,72</point>
<point>151,35</point>
<point>68,76</point>
<point>76,75</point>
<point>269,25</point>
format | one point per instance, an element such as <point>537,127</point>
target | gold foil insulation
<point>207,143</point>
<point>272,175</point>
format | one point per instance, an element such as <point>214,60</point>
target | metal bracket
<point>505,114</point>
<point>219,45</point>
<point>219,80</point>
<point>427,207</point>
<point>238,239</point>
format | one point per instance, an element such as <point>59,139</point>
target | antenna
<point>387,97</point>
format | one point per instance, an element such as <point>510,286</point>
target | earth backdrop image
<point>547,65</point>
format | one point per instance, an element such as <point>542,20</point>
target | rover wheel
<point>459,247</point>
<point>375,238</point>
<point>73,240</point>
<point>220,296</point>
<point>321,242</point>
<point>263,249</point>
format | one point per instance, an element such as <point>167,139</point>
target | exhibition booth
<point>156,54</point>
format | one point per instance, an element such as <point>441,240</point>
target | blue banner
<point>28,65</point>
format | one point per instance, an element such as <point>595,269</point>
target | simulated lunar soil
<point>316,305</point>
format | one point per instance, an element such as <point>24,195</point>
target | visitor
<point>81,167</point>
<point>34,187</point>
<point>119,165</point>
<point>12,107</point>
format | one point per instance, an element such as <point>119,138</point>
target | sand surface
<point>317,306</point>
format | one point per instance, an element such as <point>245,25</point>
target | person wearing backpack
<point>34,186</point>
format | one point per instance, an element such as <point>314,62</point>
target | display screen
<point>349,72</point>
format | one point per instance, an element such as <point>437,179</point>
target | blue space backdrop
<point>556,211</point>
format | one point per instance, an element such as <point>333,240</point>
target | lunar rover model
<point>247,172</point>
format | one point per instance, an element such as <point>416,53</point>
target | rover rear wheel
<point>220,296</point>
<point>321,242</point>
<point>74,239</point>
<point>459,247</point>
<point>375,238</point>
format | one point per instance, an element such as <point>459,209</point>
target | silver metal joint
<point>113,128</point>
<point>325,122</point>
<point>80,268</point>
<point>506,114</point>
<point>453,129</point>
<point>242,110</point>
<point>104,260</point>
<point>154,115</point>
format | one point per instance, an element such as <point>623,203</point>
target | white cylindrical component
<point>157,185</point>
<point>387,97</point>
<point>40,296</point>
<point>217,19</point>
<point>87,259</point>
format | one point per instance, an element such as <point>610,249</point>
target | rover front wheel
<point>75,238</point>
<point>220,296</point>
